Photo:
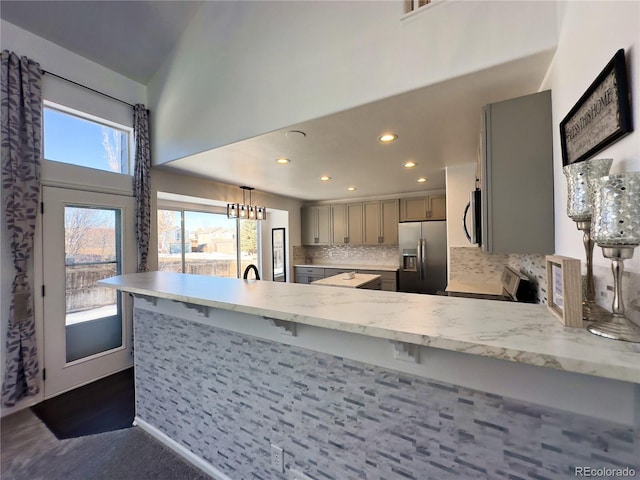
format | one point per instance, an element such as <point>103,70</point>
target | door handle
<point>419,259</point>
<point>464,222</point>
<point>424,259</point>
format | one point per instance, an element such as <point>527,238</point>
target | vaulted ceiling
<point>437,125</point>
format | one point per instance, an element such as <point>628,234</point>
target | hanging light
<point>244,210</point>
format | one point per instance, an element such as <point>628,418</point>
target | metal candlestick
<point>619,327</point>
<point>616,228</point>
<point>591,311</point>
<point>581,179</point>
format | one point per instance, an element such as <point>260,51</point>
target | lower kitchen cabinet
<point>389,279</point>
<point>308,274</point>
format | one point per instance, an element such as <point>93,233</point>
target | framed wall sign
<point>600,117</point>
<point>564,289</point>
<point>278,258</point>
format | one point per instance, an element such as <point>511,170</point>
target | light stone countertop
<point>357,281</point>
<point>350,266</point>
<point>517,332</point>
<point>487,288</point>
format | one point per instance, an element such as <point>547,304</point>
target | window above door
<point>80,139</point>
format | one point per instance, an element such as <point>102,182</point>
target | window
<point>206,243</point>
<point>92,240</point>
<point>80,139</point>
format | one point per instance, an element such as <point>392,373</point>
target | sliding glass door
<point>206,243</point>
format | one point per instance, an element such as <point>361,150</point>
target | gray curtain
<point>141,184</point>
<point>21,110</point>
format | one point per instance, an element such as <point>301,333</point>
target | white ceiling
<point>130,37</point>
<point>437,125</point>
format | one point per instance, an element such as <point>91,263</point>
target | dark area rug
<point>102,406</point>
<point>129,454</point>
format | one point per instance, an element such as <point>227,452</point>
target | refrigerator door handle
<point>423,256</point>
<point>419,258</point>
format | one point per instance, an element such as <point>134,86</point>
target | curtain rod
<point>87,88</point>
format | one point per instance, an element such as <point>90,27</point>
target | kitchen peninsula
<point>359,384</point>
<point>353,280</point>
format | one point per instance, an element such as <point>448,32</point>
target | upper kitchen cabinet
<point>380,222</point>
<point>420,209</point>
<point>346,224</point>
<point>517,176</point>
<point>316,225</point>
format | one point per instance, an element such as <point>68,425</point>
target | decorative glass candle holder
<point>616,229</point>
<point>581,181</point>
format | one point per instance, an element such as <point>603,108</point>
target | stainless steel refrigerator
<point>423,256</point>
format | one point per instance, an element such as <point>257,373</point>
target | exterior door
<point>86,237</point>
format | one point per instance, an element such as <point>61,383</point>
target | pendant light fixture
<point>244,210</point>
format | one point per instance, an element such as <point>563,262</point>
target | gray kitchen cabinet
<point>389,280</point>
<point>354,223</point>
<point>420,209</point>
<point>339,224</point>
<point>414,209</point>
<point>346,224</point>
<point>316,225</point>
<point>330,272</point>
<point>517,176</point>
<point>389,222</point>
<point>437,207</point>
<point>308,274</point>
<point>380,222</point>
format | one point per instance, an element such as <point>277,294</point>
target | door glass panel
<point>170,245</point>
<point>248,244</point>
<point>93,318</point>
<point>210,244</point>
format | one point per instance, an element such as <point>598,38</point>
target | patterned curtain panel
<point>141,184</point>
<point>21,110</point>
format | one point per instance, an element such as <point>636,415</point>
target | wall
<point>581,55</point>
<point>65,63</point>
<point>236,73</point>
<point>460,182</point>
<point>341,419</point>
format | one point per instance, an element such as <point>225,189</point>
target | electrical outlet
<point>297,475</point>
<point>277,458</point>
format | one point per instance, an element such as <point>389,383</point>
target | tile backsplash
<point>473,265</point>
<point>386,255</point>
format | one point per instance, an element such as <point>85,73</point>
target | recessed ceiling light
<point>422,180</point>
<point>351,189</point>
<point>325,178</point>
<point>409,164</point>
<point>282,161</point>
<point>387,137</point>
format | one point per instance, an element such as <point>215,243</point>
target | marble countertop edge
<point>570,351</point>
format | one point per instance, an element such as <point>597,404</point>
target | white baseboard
<point>185,453</point>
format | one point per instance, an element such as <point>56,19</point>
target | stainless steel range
<point>516,287</point>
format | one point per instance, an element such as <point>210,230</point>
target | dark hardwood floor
<point>102,406</point>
